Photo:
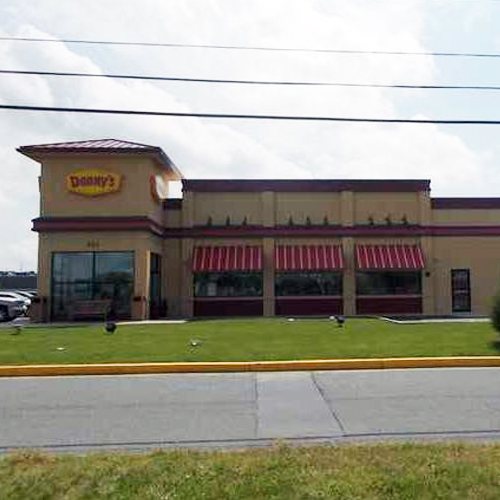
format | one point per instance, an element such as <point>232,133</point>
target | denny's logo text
<point>93,182</point>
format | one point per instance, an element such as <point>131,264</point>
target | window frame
<point>389,292</point>
<point>93,284</point>
<point>218,295</point>
<point>339,275</point>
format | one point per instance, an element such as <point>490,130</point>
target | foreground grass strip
<point>408,471</point>
<point>245,340</point>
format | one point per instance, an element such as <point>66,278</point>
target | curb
<point>247,366</point>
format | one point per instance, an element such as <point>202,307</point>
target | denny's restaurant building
<point>108,231</point>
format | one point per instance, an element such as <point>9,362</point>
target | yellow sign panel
<point>93,182</point>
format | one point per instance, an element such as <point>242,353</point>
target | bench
<point>90,309</point>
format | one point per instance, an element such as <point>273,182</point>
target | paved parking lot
<point>247,409</point>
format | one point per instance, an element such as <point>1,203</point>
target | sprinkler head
<point>340,321</point>
<point>110,327</point>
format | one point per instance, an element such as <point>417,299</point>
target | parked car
<point>24,293</point>
<point>24,302</point>
<point>10,308</point>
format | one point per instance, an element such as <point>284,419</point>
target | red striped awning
<point>389,257</point>
<point>227,258</point>
<point>308,257</point>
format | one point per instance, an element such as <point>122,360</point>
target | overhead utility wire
<point>246,116</point>
<point>255,48</point>
<point>250,82</point>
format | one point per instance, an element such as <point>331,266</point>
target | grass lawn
<point>388,471</point>
<point>245,340</point>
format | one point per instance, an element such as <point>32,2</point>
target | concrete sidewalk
<point>247,409</point>
<point>26,322</point>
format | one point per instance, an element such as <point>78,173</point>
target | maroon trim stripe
<point>75,224</point>
<point>305,185</point>
<point>465,203</point>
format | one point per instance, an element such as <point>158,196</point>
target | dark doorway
<point>156,309</point>
<point>460,290</point>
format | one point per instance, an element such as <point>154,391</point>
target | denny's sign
<point>93,182</point>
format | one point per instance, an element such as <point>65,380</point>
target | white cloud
<point>228,149</point>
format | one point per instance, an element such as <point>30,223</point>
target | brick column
<point>349,277</point>
<point>172,276</point>
<point>347,208</point>
<point>140,301</point>
<point>428,282</point>
<point>425,209</point>
<point>40,312</point>
<point>187,277</point>
<point>268,209</point>
<point>188,209</point>
<point>347,213</point>
<point>268,278</point>
<point>268,220</point>
<point>428,277</point>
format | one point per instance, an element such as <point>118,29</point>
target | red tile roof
<point>37,151</point>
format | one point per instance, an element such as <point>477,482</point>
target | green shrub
<point>495,312</point>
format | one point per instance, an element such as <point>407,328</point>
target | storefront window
<point>320,283</point>
<point>389,283</point>
<point>72,267</point>
<point>228,284</point>
<point>92,276</point>
<point>110,266</point>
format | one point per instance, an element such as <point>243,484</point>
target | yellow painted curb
<point>247,366</point>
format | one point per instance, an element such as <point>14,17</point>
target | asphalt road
<point>247,409</point>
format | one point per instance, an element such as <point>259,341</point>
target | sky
<point>460,161</point>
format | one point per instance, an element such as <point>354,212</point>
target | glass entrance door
<point>460,290</point>
<point>156,309</point>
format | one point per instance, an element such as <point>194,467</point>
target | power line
<point>253,48</point>
<point>247,116</point>
<point>251,82</point>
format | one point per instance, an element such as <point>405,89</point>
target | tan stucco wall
<point>380,205</point>
<point>299,206</point>
<point>268,208</point>
<point>459,217</point>
<point>173,218</point>
<point>480,255</point>
<point>142,244</point>
<point>175,272</point>
<point>133,199</point>
<point>218,206</point>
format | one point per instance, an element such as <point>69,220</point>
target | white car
<point>23,293</point>
<point>24,302</point>
<point>10,309</point>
